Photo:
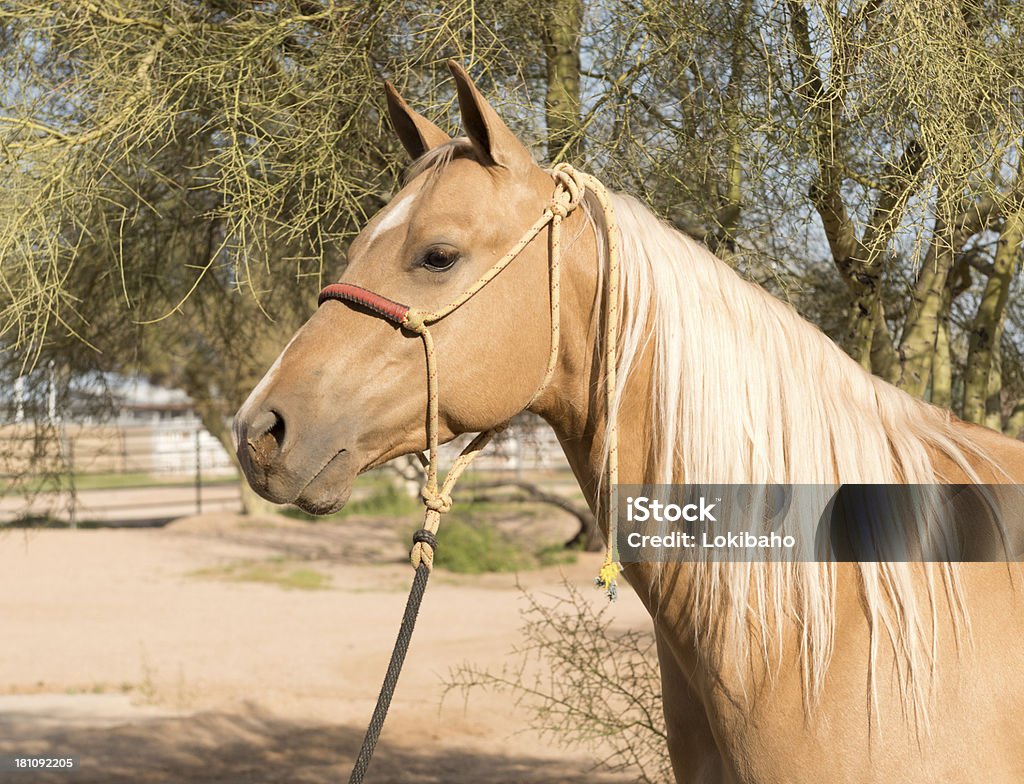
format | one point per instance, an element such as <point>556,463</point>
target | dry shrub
<point>584,682</point>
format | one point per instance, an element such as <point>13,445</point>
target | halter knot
<point>569,190</point>
<point>414,320</point>
<point>437,502</point>
<point>559,206</point>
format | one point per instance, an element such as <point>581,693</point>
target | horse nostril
<point>277,430</point>
<point>266,437</point>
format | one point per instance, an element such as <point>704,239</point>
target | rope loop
<point>569,189</point>
<point>422,554</point>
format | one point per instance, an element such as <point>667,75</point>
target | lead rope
<point>607,577</point>
<point>570,186</point>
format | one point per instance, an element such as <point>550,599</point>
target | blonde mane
<point>745,391</point>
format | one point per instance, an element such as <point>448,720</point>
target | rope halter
<point>570,187</point>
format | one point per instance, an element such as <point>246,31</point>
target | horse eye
<point>440,259</point>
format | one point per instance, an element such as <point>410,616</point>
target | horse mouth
<point>328,490</point>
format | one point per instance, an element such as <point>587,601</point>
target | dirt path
<point>128,504</point>
<point>132,651</point>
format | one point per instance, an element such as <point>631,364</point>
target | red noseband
<point>382,306</point>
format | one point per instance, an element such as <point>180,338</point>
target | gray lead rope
<point>387,689</point>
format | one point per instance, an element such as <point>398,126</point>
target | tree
<point>898,128</point>
<point>563,29</point>
<point>180,178</point>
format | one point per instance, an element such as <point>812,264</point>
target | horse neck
<point>862,431</point>
<point>574,402</point>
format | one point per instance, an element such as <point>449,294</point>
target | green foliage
<point>471,543</point>
<point>475,537</point>
<point>387,501</point>
<point>475,549</point>
<point>584,683</point>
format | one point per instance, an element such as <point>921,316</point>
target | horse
<point>771,672</point>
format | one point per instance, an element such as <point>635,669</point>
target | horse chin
<point>329,490</point>
<point>322,505</point>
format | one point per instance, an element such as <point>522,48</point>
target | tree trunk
<point>859,260</point>
<point>942,362</point>
<point>731,200</point>
<point>994,404</point>
<point>987,328</point>
<point>861,327</point>
<point>252,504</point>
<point>921,330</point>
<point>216,424</point>
<point>563,22</point>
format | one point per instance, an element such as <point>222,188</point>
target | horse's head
<point>349,391</point>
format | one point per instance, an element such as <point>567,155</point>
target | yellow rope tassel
<point>608,577</point>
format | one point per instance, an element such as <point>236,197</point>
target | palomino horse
<point>811,672</point>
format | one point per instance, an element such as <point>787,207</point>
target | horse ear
<point>491,138</point>
<point>416,132</point>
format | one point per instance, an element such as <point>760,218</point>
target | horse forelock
<point>437,159</point>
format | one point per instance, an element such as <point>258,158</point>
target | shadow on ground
<point>254,748</point>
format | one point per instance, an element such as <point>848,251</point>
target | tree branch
<point>588,535</point>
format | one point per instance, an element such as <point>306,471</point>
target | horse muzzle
<point>310,471</point>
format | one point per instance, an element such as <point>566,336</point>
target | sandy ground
<point>114,650</point>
